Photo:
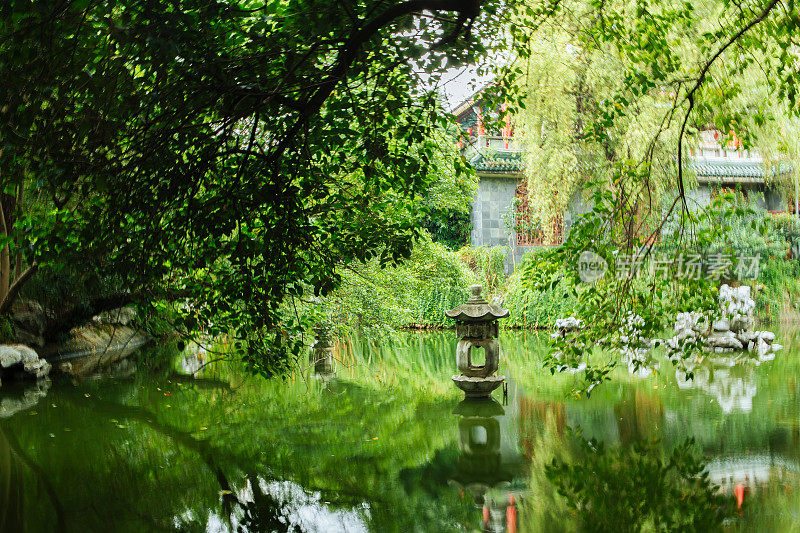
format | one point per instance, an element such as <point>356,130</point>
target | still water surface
<point>388,445</point>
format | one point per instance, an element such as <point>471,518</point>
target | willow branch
<point>690,96</point>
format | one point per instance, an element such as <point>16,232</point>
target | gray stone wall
<point>495,196</point>
<point>493,200</point>
<point>698,198</point>
<point>764,198</point>
<point>774,200</point>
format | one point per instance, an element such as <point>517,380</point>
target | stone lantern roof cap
<point>477,309</point>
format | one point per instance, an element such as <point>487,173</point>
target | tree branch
<point>690,95</point>
<point>351,48</point>
<point>13,291</point>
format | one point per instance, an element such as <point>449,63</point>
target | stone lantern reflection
<point>476,324</point>
<point>480,470</point>
<point>479,443</point>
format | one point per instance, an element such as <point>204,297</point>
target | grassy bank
<point>415,294</point>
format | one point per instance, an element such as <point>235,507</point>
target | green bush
<point>448,227</point>
<point>488,264</point>
<point>744,229</point>
<point>786,225</point>
<point>414,293</point>
<point>534,307</point>
<point>779,281</point>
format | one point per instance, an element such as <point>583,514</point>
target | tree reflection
<point>638,487</point>
<point>11,488</point>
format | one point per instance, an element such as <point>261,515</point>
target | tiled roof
<point>705,170</point>
<point>510,162</point>
<point>468,120</point>
<point>746,171</point>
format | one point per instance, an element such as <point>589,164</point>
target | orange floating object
<point>738,492</point>
<point>511,517</point>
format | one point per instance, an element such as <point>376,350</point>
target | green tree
<point>615,91</point>
<point>224,156</point>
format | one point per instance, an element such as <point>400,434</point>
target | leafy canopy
<point>227,156</point>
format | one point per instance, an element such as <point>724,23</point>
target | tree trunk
<point>18,256</point>
<point>5,259</point>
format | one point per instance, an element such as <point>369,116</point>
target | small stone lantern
<point>476,324</point>
<point>322,352</point>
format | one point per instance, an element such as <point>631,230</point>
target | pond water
<point>388,445</point>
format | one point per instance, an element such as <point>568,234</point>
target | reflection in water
<point>11,488</point>
<point>479,466</point>
<point>742,475</point>
<point>640,416</point>
<point>21,396</point>
<point>322,354</point>
<point>263,505</point>
<point>384,447</point>
<point>730,380</point>
<point>642,486</point>
<point>482,470</point>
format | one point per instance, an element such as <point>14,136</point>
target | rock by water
<point>22,361</point>
<point>730,333</point>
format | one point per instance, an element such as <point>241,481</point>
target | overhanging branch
<point>353,46</point>
<point>690,96</point>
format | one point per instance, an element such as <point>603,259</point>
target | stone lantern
<point>322,353</point>
<point>476,324</point>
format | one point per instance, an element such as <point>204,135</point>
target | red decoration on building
<point>738,491</point>
<point>481,127</point>
<point>507,133</point>
<point>534,237</point>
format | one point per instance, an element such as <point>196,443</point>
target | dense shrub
<point>488,264</point>
<point>534,307</point>
<point>448,227</point>
<point>537,309</point>
<point>777,293</point>
<point>744,229</point>
<point>415,293</point>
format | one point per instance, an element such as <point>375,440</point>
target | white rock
<point>9,355</point>
<point>746,336</point>
<point>740,322</point>
<point>569,323</point>
<point>29,355</point>
<point>761,347</point>
<point>39,368</point>
<point>722,325</point>
<point>580,368</point>
<point>687,321</point>
<point>725,341</point>
<point>768,336</point>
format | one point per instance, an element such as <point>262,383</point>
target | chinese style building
<point>502,194</point>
